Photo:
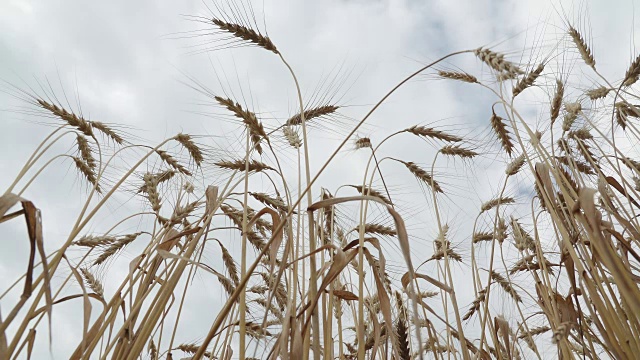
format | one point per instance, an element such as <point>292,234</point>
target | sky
<point>140,66</point>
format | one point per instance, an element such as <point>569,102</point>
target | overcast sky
<point>136,63</point>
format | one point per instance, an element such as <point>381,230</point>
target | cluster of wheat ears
<point>311,282</point>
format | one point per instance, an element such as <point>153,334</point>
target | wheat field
<point>240,244</point>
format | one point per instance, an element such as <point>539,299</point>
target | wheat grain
<point>455,150</point>
<point>239,165</point>
<point>270,201</point>
<point>460,76</point>
<point>515,165</point>
<point>151,188</point>
<point>171,161</point>
<point>115,247</point>
<point>94,241</point>
<point>522,238</point>
<point>423,176</point>
<point>500,128</point>
<point>280,289</point>
<point>106,130</point>
<point>192,349</point>
<point>362,143</point>
<point>270,307</point>
<point>527,264</point>
<point>475,305</point>
<point>181,212</point>
<point>582,134</point>
<point>633,73</point>
<point>482,236</point>
<point>496,61</point>
<point>505,76</point>
<point>450,253</point>
<point>402,330</point>
<point>501,230</point>
<point>246,34</point>
<point>160,178</point>
<point>92,282</point>
<point>292,136</point>
<point>87,171</point>
<point>505,285</point>
<point>227,285</point>
<point>377,229</point>
<point>72,119</point>
<point>528,80</point>
<point>153,350</point>
<point>256,130</point>
<point>576,164</point>
<point>365,190</point>
<point>573,109</point>
<point>488,205</point>
<point>311,114</point>
<point>192,148</point>
<point>598,93</point>
<point>85,151</point>
<point>584,50</point>
<point>625,110</point>
<point>556,102</point>
<point>432,133</point>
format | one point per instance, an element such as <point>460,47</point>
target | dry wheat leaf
<point>212,199</point>
<point>345,295</point>
<point>7,201</point>
<point>613,182</point>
